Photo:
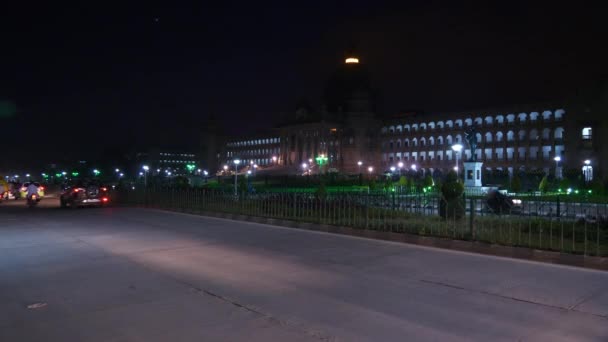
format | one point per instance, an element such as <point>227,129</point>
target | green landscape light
<point>96,172</point>
<point>559,190</point>
<point>576,191</point>
<point>75,174</point>
<point>190,167</point>
<point>589,191</point>
<point>321,159</point>
<point>58,175</point>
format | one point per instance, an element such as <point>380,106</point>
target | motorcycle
<point>33,200</point>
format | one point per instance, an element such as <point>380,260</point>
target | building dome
<point>349,88</point>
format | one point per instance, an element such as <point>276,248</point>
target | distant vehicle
<point>81,195</point>
<point>23,190</point>
<point>33,200</point>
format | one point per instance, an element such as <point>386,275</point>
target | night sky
<point>99,76</point>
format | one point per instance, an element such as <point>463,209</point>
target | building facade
<point>508,140</point>
<point>347,135</point>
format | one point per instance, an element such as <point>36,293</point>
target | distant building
<point>347,135</point>
<point>177,162</point>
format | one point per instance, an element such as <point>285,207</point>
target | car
<point>23,190</point>
<point>81,195</point>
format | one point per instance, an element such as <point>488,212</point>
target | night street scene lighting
<point>277,171</point>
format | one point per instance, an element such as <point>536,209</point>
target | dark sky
<point>98,75</point>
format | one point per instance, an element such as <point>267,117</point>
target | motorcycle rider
<point>32,189</point>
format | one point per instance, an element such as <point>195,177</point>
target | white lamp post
<point>587,171</point>
<point>393,170</point>
<point>146,168</point>
<point>456,148</point>
<point>359,163</point>
<point>305,167</point>
<point>400,164</point>
<point>557,173</point>
<point>236,171</point>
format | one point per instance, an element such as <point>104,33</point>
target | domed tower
<point>348,91</point>
<point>349,99</point>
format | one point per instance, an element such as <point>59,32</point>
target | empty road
<point>119,274</point>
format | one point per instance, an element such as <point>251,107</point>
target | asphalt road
<point>118,274</point>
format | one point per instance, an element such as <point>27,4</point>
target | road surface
<point>119,274</point>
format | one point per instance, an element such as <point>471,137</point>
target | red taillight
<point>104,189</point>
<point>33,196</point>
<point>76,190</point>
<point>23,189</point>
<point>41,188</point>
<point>104,199</point>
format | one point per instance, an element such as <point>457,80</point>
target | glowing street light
<point>457,148</point>
<point>400,165</point>
<point>225,168</point>
<point>274,159</point>
<point>557,160</point>
<point>587,171</point>
<point>393,169</point>
<point>413,167</point>
<point>117,170</point>
<point>359,163</point>
<point>146,168</point>
<point>370,169</point>
<point>236,172</point>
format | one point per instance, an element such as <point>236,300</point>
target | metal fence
<point>548,225</point>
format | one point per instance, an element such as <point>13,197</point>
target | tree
<point>428,181</point>
<point>543,186</point>
<point>452,203</point>
<point>372,184</point>
<point>403,182</point>
<point>515,184</point>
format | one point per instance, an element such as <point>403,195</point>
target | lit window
<point>351,60</point>
<point>587,133</point>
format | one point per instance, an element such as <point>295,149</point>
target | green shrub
<point>428,181</point>
<point>515,184</point>
<point>543,186</point>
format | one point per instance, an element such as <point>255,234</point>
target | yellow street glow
<point>351,60</point>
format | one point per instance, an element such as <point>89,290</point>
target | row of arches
<point>478,121</point>
<point>254,142</point>
<point>488,137</point>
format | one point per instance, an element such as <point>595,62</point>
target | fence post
<point>471,218</point>
<point>367,211</point>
